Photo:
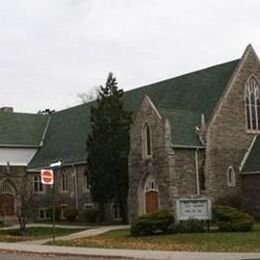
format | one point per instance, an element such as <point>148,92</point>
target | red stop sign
<point>47,177</point>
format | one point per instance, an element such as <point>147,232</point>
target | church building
<point>196,135</point>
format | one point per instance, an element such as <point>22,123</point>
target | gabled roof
<point>21,130</point>
<point>252,164</point>
<point>181,100</point>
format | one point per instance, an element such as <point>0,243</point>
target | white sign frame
<point>42,177</point>
<point>193,208</point>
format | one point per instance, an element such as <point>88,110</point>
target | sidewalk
<point>86,233</point>
<point>123,253</point>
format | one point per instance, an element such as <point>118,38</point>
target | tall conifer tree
<point>108,146</point>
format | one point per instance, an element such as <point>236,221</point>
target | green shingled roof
<point>19,129</point>
<point>181,100</point>
<point>252,163</point>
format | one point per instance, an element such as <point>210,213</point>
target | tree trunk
<point>101,212</point>
<point>123,211</point>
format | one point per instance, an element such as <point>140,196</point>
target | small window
<point>62,211</point>
<point>116,213</point>
<point>151,184</point>
<point>86,185</point>
<point>147,144</point>
<point>231,177</point>
<point>37,184</point>
<point>64,182</point>
<point>43,214</point>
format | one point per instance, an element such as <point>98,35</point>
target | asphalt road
<point>22,256</point>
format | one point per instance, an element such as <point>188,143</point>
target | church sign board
<point>193,208</point>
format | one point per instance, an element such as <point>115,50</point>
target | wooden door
<point>151,201</point>
<point>6,205</point>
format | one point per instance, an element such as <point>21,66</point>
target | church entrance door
<point>6,205</point>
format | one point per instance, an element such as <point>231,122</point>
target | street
<point>24,256</point>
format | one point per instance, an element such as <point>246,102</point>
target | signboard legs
<point>53,213</point>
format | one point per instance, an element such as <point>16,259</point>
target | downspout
<point>76,188</point>
<point>197,173</point>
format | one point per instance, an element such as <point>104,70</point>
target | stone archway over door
<point>151,195</point>
<point>7,199</point>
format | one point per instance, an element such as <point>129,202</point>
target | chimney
<point>7,109</point>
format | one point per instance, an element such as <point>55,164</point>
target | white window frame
<point>231,177</point>
<point>45,214</point>
<point>89,206</point>
<point>40,187</point>
<point>145,141</point>
<point>63,208</point>
<point>64,182</point>
<point>85,182</point>
<point>252,87</point>
<point>151,184</point>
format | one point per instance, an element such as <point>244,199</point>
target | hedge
<point>230,219</point>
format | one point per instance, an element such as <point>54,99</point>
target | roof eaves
<point>45,131</point>
<point>250,172</point>
<point>18,146</point>
<point>247,154</point>
<point>38,169</point>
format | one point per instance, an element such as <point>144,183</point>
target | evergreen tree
<point>107,148</point>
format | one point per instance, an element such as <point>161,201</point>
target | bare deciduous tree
<point>25,200</point>
<point>90,96</point>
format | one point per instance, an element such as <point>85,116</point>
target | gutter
<point>188,146</point>
<point>38,169</point>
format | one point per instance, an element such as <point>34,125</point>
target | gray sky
<point>52,50</point>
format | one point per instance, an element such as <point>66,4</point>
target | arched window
<point>147,140</point>
<point>150,184</point>
<point>7,188</point>
<point>252,100</point>
<point>231,177</point>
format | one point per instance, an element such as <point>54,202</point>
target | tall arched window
<point>252,99</point>
<point>147,140</point>
<point>231,177</point>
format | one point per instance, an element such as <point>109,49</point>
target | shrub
<point>57,213</point>
<point>70,214</point>
<point>153,223</point>
<point>90,215</point>
<point>232,220</point>
<point>188,226</point>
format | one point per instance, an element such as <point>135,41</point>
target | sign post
<point>47,178</point>
<point>54,166</point>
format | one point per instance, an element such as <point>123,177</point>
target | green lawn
<point>214,241</point>
<point>13,235</point>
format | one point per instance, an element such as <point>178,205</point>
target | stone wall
<point>160,164</point>
<point>227,139</point>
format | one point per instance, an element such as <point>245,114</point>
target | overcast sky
<point>52,50</point>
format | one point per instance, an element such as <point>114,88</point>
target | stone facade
<point>201,171</point>
<point>161,172</point>
<point>227,138</point>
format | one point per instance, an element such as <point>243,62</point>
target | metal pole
<point>53,213</point>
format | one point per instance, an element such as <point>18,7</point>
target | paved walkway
<point>123,253</point>
<point>93,231</point>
